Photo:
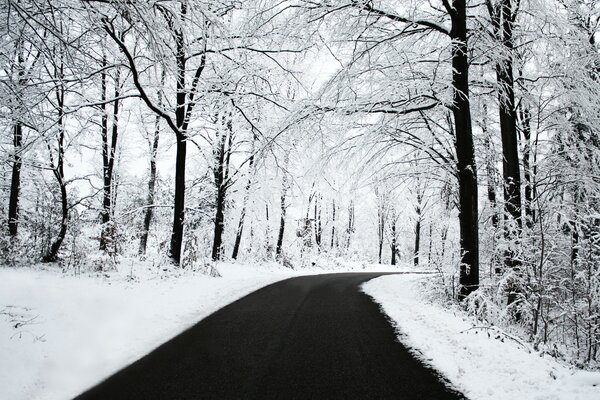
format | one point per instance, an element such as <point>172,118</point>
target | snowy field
<point>481,366</point>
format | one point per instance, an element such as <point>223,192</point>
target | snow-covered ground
<point>481,366</point>
<point>60,334</point>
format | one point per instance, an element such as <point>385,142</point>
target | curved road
<point>312,337</point>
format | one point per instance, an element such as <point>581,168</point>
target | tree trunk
<point>319,226</point>
<point>333,224</point>
<point>222,156</point>
<point>240,230</point>
<point>465,153</point>
<point>15,183</point>
<point>393,244</point>
<point>179,203</point>
<point>59,174</point>
<point>284,188</point>
<point>508,130</point>
<point>380,231</point>
<point>181,122</point>
<point>149,211</point>
<point>417,241</point>
<point>108,160</point>
<point>350,228</point>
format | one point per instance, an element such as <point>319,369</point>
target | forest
<point>462,137</point>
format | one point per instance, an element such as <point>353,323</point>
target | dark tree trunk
<point>149,211</point>
<point>108,160</point>
<point>179,203</point>
<point>465,152</point>
<point>350,228</point>
<point>508,130</point>
<point>221,176</point>
<point>15,182</point>
<point>59,174</point>
<point>181,121</point>
<point>240,230</point>
<point>268,246</point>
<point>393,244</point>
<point>319,226</point>
<point>417,241</point>
<point>219,222</point>
<point>380,231</point>
<point>419,212</point>
<point>332,224</point>
<point>284,188</point>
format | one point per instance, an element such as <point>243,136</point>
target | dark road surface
<point>310,338</point>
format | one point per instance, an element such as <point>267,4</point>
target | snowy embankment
<point>481,363</point>
<point>60,334</point>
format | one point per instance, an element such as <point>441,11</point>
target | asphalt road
<point>313,337</point>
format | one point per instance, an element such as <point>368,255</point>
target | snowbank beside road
<point>480,366</point>
<point>61,334</point>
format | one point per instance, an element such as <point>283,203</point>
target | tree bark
<point>332,224</point>
<point>319,226</point>
<point>465,152</point>
<point>393,244</point>
<point>283,206</point>
<point>59,174</point>
<point>149,212</point>
<point>240,230</point>
<point>508,130</point>
<point>15,182</point>
<point>417,241</point>
<point>108,159</point>
<point>221,168</point>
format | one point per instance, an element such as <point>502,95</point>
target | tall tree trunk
<point>149,211</point>
<point>240,230</point>
<point>108,160</point>
<point>465,152</point>
<point>508,130</point>
<point>222,157</point>
<point>15,182</point>
<point>181,122</point>
<point>380,231</point>
<point>283,208</point>
<point>332,223</point>
<point>393,244</point>
<point>417,241</point>
<point>350,228</point>
<point>59,174</point>
<point>318,223</point>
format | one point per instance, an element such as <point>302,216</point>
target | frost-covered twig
<point>501,332</point>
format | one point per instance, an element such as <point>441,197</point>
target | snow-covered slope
<point>482,366</point>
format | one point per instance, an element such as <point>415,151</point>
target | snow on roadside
<point>481,367</point>
<point>61,334</point>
